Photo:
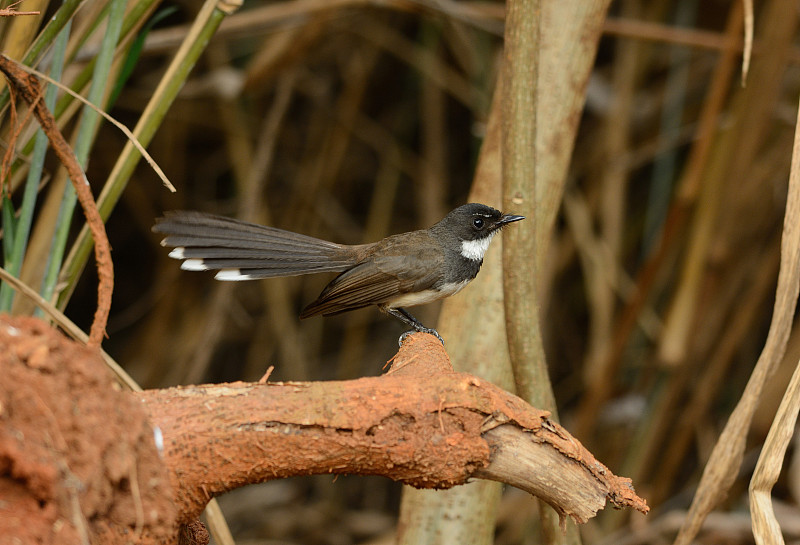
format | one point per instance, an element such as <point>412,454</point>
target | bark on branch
<point>421,423</point>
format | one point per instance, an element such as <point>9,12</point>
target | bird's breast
<point>427,296</point>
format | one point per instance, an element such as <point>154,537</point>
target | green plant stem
<point>83,144</point>
<point>25,220</point>
<point>131,22</point>
<point>205,25</point>
<point>9,225</point>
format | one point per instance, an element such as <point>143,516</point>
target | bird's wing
<point>379,280</point>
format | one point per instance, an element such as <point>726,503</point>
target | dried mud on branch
<point>421,423</point>
<point>77,457</point>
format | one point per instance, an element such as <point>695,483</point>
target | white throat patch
<point>475,249</point>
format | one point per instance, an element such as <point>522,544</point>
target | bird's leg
<point>404,316</point>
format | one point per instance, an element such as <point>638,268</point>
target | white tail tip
<point>194,265</point>
<point>177,253</point>
<point>232,275</point>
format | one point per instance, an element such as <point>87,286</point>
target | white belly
<point>422,297</point>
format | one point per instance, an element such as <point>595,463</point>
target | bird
<point>399,271</point>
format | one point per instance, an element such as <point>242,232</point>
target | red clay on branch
<point>77,456</point>
<point>426,433</point>
<point>220,437</point>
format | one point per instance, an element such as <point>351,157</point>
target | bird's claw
<point>431,331</point>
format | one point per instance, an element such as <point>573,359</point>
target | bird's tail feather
<point>243,251</point>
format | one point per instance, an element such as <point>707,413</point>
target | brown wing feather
<point>379,280</point>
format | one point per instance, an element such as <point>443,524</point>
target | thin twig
<point>16,130</point>
<point>9,11</point>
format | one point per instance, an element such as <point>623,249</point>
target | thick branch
<point>421,424</point>
<point>96,466</point>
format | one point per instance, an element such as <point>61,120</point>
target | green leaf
<point>9,226</point>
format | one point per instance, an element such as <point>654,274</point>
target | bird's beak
<point>508,218</point>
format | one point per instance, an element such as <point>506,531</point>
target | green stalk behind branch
<point>131,22</point>
<point>86,135</point>
<point>205,25</point>
<point>23,224</point>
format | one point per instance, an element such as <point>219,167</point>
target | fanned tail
<point>244,251</point>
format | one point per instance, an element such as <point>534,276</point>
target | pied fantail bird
<point>399,271</point>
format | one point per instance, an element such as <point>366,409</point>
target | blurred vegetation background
<point>352,120</point>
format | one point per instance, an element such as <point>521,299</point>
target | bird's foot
<point>431,331</point>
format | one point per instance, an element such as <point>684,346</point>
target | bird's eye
<point>477,223</point>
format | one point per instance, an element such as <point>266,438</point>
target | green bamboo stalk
<point>23,227</point>
<point>86,135</point>
<point>131,22</point>
<point>205,25</point>
<point>9,224</point>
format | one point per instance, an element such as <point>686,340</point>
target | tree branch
<point>421,423</point>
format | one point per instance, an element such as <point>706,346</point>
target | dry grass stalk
<point>765,526</point>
